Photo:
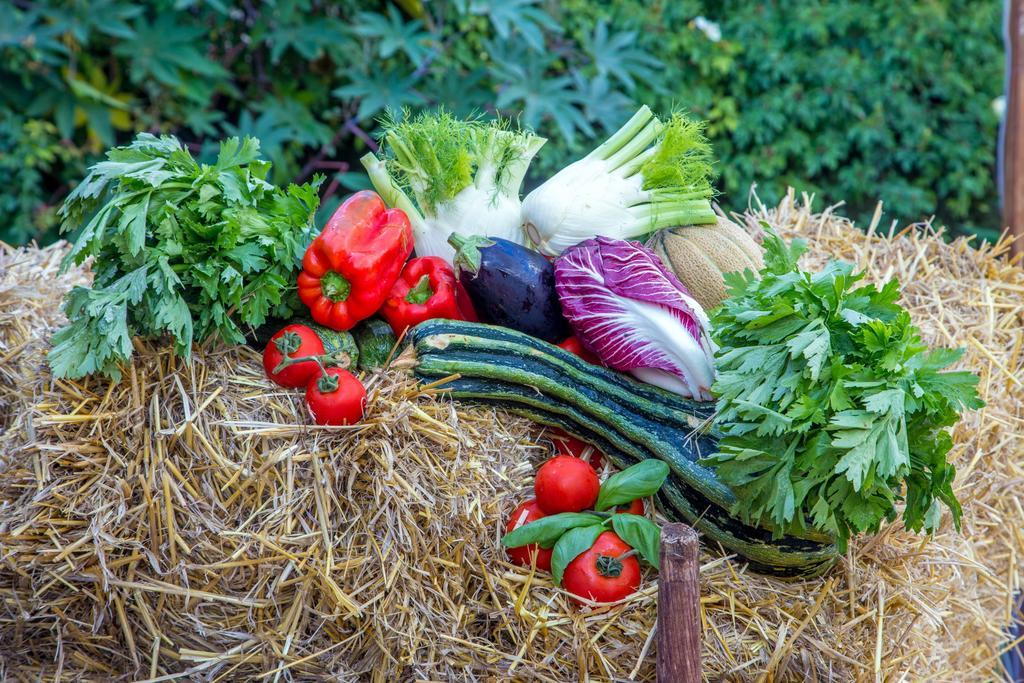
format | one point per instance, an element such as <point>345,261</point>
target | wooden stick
<point>1013,150</point>
<point>678,606</point>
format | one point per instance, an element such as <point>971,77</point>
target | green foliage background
<point>853,101</point>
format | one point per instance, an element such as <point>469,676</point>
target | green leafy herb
<point>831,407</point>
<point>637,481</point>
<point>639,533</point>
<point>571,545</point>
<point>547,530</point>
<point>183,249</point>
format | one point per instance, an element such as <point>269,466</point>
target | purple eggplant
<point>510,285</point>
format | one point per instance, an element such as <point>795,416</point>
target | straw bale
<point>189,522</point>
<point>31,289</point>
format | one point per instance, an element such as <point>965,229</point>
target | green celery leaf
<point>180,248</point>
<point>854,417</point>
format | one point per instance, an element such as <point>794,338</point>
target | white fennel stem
<point>389,191</point>
<point>646,176</point>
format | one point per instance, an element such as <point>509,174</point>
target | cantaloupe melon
<point>699,255</point>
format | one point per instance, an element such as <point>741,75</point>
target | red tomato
<point>570,445</point>
<point>566,484</point>
<point>293,341</point>
<point>575,347</point>
<point>524,514</point>
<point>337,398</point>
<point>636,507</point>
<point>601,573</point>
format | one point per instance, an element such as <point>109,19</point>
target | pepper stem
<point>421,293</point>
<point>334,286</point>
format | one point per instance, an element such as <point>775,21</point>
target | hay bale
<point>188,521</point>
<point>31,289</point>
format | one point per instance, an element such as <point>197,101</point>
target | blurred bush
<point>853,101</point>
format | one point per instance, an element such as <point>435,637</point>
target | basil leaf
<point>639,533</point>
<point>571,545</point>
<point>546,530</point>
<point>638,481</point>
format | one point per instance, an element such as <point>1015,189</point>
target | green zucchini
<point>376,341</point>
<point>338,344</point>
<point>627,420</point>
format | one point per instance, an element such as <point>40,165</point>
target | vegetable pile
<point>626,420</point>
<point>831,408</point>
<point>798,411</point>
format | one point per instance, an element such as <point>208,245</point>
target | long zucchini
<point>627,420</point>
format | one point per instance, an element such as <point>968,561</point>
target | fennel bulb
<point>647,176</point>
<point>453,176</point>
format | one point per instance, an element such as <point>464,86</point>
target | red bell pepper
<point>426,289</point>
<point>350,267</point>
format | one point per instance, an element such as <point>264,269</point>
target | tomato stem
<point>610,566</point>
<point>327,383</point>
<point>288,343</point>
<point>324,361</point>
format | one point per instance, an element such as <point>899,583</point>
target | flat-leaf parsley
<point>832,410</point>
<point>183,249</point>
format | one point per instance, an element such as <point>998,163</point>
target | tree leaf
<point>393,34</point>
<point>620,56</point>
<point>523,16</point>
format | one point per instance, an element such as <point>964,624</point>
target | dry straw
<point>188,522</point>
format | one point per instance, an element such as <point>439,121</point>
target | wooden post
<point>679,625</point>
<point>1013,149</point>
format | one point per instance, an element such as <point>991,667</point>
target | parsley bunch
<point>832,410</point>
<point>184,249</point>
